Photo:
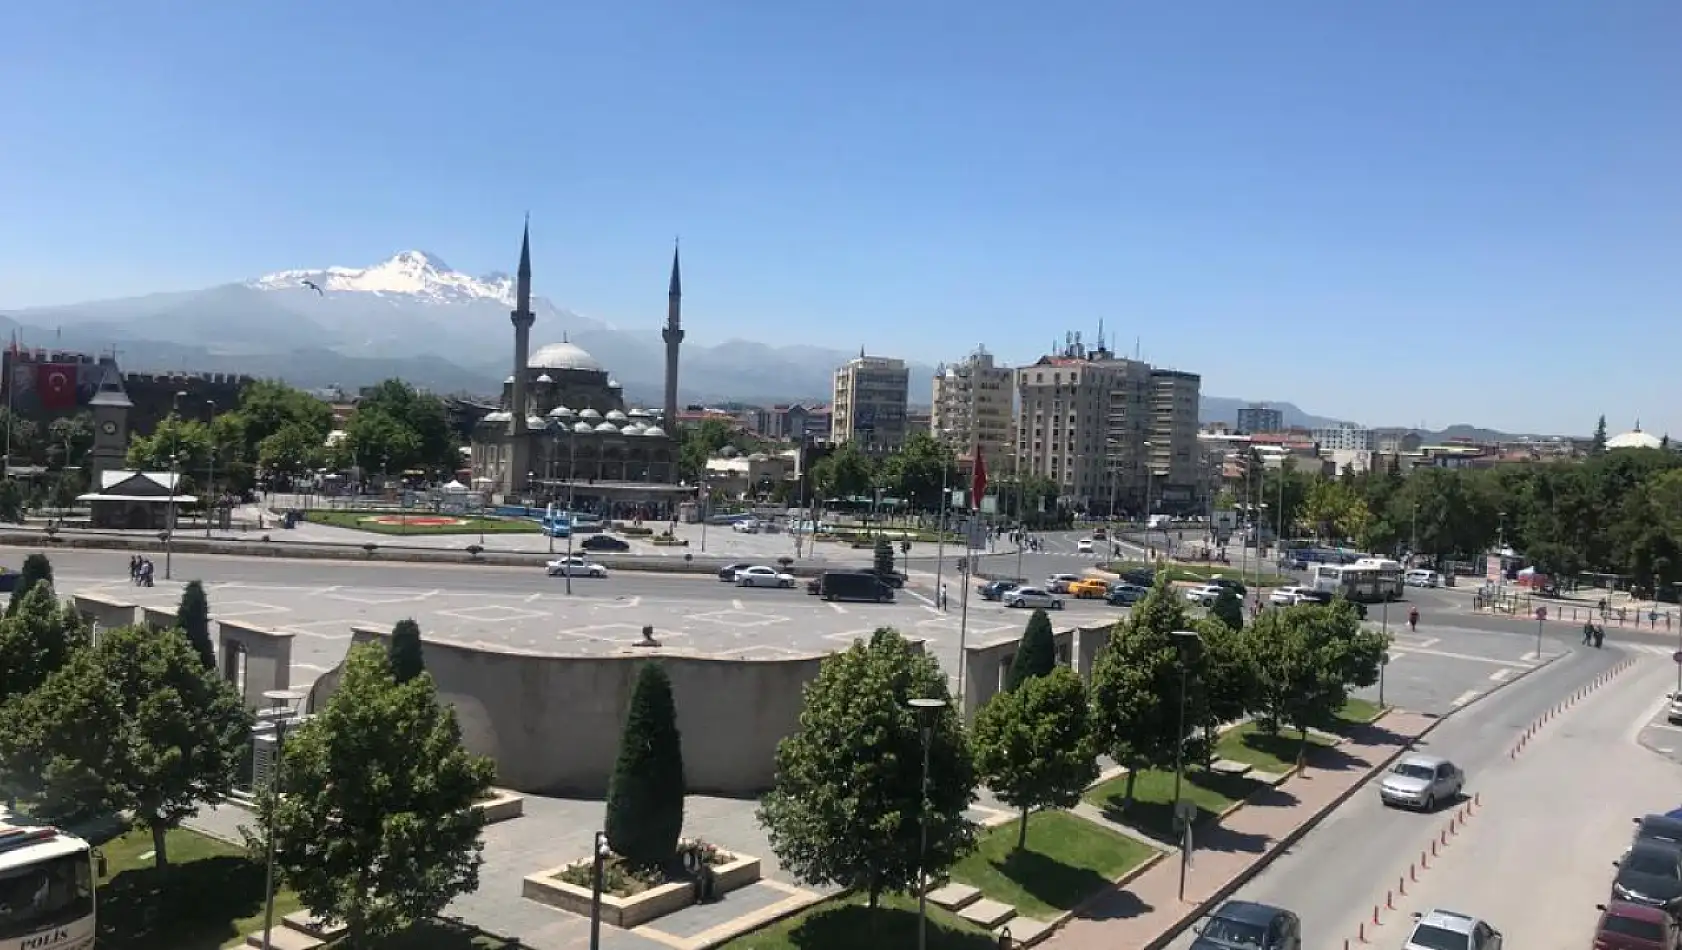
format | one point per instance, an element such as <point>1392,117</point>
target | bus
<point>46,887</point>
<point>1367,581</point>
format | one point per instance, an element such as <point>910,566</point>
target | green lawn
<point>1253,746</point>
<point>211,896</point>
<point>1067,860</point>
<point>1152,811</point>
<point>1359,711</point>
<point>1199,573</point>
<point>419,522</point>
<point>846,924</point>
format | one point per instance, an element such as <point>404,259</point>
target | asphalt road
<point>1535,859</point>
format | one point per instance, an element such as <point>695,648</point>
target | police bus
<point>46,887</point>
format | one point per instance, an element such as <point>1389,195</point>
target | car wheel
<point>788,583</point>
<point>1430,803</point>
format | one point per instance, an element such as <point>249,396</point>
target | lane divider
<point>1559,709</point>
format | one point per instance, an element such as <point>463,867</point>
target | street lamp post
<point>599,858</point>
<point>283,704</point>
<point>926,710</point>
<point>169,517</point>
<point>1187,644</point>
<point>940,536</point>
<point>1384,659</point>
<point>572,520</point>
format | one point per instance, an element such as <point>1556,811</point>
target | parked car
<point>1248,925</point>
<point>1451,930</point>
<point>1627,926</point>
<point>1089,588</point>
<point>1083,546</point>
<point>1059,583</point>
<point>1659,829</point>
<point>1032,597</point>
<point>852,585</point>
<point>1125,595</point>
<point>1284,596</point>
<point>1205,595</point>
<point>761,576</point>
<point>575,567</point>
<point>604,542</point>
<point>1422,782</point>
<point>1422,578</point>
<point>1650,873</point>
<point>728,573</point>
<point>1140,576</point>
<point>746,526</point>
<point>1229,584</point>
<point>995,589</point>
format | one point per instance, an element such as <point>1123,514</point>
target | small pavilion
<point>136,501</point>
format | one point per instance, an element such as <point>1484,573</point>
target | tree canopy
<point>1036,654</point>
<point>1034,746</point>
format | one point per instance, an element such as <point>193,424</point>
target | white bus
<point>1368,580</point>
<point>46,888</point>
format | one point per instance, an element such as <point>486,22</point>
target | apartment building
<point>870,404</point>
<point>973,410</point>
<point>1344,437</point>
<point>1258,417</point>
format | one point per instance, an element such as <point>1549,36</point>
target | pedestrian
<point>942,595</point>
<point>134,569</point>
<point>1588,632</point>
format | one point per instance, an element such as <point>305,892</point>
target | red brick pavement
<point>1148,908</point>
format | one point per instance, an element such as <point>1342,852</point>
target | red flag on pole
<point>978,482</point>
<point>56,384</point>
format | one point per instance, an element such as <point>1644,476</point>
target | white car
<point>1440,929</point>
<point>575,567</point>
<point>1059,583</point>
<point>746,526</point>
<point>1284,596</point>
<point>762,576</point>
<point>1083,546</point>
<point>1204,595</point>
<point>1032,597</point>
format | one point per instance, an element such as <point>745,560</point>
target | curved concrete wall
<point>552,723</point>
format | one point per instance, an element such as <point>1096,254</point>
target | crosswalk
<point>1652,649</point>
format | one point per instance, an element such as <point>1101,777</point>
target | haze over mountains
<point>414,317</point>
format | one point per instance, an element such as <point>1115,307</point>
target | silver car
<point>1450,930</point>
<point>1422,782</point>
<point>1032,597</point>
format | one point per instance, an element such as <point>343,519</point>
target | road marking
<point>1531,657</point>
<point>533,598</point>
<point>1465,698</point>
<point>1501,674</point>
<point>837,607</point>
<point>736,603</point>
<point>1471,658</point>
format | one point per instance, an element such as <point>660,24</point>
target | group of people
<point>140,571</point>
<point>1593,634</point>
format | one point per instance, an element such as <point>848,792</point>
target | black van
<point>853,585</point>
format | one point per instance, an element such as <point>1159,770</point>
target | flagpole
<point>940,537</point>
<point>11,396</point>
<point>978,484</point>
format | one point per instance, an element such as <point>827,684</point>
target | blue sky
<point>1424,212</point>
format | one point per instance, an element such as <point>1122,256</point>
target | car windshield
<point>1648,930</point>
<point>1414,770</point>
<point>1427,937</point>
<point>1648,862</point>
<point>1234,933</point>
<point>43,896</point>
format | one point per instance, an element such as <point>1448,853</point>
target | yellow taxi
<point>1090,587</point>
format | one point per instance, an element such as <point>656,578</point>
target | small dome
<point>560,412</point>
<point>641,414</point>
<point>535,422</point>
<point>499,416</point>
<point>759,457</point>
<point>1634,439</point>
<point>582,427</point>
<point>655,432</point>
<point>635,428</point>
<point>545,378</point>
<point>607,427</point>
<point>614,384</point>
<point>591,415</point>
<point>563,356</point>
<point>509,381</point>
<point>614,415</point>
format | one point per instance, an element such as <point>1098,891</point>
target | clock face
<point>110,428</point>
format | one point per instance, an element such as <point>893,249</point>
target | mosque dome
<point>591,415</point>
<point>1634,439</point>
<point>614,415</point>
<point>640,414</point>
<point>498,416</point>
<point>614,384</point>
<point>582,427</point>
<point>545,378</point>
<point>635,428</point>
<point>560,412</point>
<point>607,427</point>
<point>563,356</point>
<point>535,422</point>
<point>509,380</point>
<point>655,432</point>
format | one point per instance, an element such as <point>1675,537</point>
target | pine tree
<point>36,570</point>
<point>645,796</point>
<point>407,660</point>
<point>884,556</point>
<point>1597,446</point>
<point>1036,655</point>
<point>193,617</point>
<point>1228,609</point>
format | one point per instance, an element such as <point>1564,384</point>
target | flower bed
<point>631,896</point>
<point>667,541</point>
<point>500,805</point>
<point>632,530</point>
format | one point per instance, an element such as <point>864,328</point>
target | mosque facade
<point>563,432</point>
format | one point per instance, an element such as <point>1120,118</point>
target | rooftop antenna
<point>1136,344</point>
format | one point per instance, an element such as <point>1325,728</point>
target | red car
<point>1625,926</point>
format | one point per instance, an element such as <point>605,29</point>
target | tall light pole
<point>169,516</point>
<point>1187,644</point>
<point>940,533</point>
<point>283,704</point>
<point>210,474</point>
<point>926,711</point>
<point>1384,659</point>
<point>572,481</point>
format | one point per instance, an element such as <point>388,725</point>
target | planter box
<point>671,542</point>
<point>501,806</point>
<point>546,887</point>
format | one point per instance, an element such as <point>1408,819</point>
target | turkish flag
<point>56,384</point>
<point>978,482</point>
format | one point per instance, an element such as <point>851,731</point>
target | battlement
<point>210,379</point>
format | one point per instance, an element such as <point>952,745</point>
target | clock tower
<point>110,406</point>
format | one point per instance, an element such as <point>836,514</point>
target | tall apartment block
<point>973,402</point>
<point>1257,417</point>
<point>870,404</point>
<point>1109,430</point>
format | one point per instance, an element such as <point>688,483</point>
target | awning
<point>155,499</point>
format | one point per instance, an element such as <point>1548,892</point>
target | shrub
<point>645,795</point>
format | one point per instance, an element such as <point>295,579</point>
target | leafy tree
<point>883,556</point>
<point>918,470</point>
<point>377,827</point>
<point>844,473</point>
<point>1034,746</point>
<point>36,640</point>
<point>69,439</point>
<point>20,432</point>
<point>1036,655</point>
<point>848,796</point>
<point>407,659</point>
<point>11,501</point>
<point>133,725</point>
<point>1224,674</point>
<point>182,445</point>
<point>291,450</point>
<point>1335,511</point>
<point>1305,659</point>
<point>193,617</point>
<point>36,570</point>
<point>396,425</point>
<point>645,795</point>
<point>1228,609</point>
<point>1597,445</point>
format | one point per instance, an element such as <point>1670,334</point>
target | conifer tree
<point>36,570</point>
<point>1036,655</point>
<point>407,661</point>
<point>193,617</point>
<point>645,795</point>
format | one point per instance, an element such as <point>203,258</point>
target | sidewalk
<point>1147,911</point>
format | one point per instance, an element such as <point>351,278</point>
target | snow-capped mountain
<point>415,275</point>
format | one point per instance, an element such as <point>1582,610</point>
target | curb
<point>1567,704</point>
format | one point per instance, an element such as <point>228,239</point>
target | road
<point>1536,857</point>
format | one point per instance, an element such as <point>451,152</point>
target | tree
<point>1228,609</point>
<point>407,660</point>
<point>132,725</point>
<point>1036,655</point>
<point>292,450</point>
<point>1335,511</point>
<point>177,444</point>
<point>848,794</point>
<point>193,617</point>
<point>645,795</point>
<point>394,425</point>
<point>883,556</point>
<point>69,439</point>
<point>917,471</point>
<point>11,501</point>
<point>36,640</point>
<point>1034,746</point>
<point>1597,445</point>
<point>1305,659</point>
<point>36,570</point>
<point>377,827</point>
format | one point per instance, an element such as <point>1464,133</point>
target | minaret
<point>673,334</point>
<point>519,449</point>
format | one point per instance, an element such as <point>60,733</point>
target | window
<point>1649,930</point>
<point>1427,937</point>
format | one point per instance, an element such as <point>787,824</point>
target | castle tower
<point>673,334</point>
<point>519,445</point>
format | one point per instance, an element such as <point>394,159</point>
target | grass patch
<point>847,924</point>
<point>419,523</point>
<point>1255,747</point>
<point>1200,574</point>
<point>1152,811</point>
<point>1067,860</point>
<point>1357,712</point>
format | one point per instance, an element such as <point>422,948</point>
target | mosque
<point>563,433</point>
